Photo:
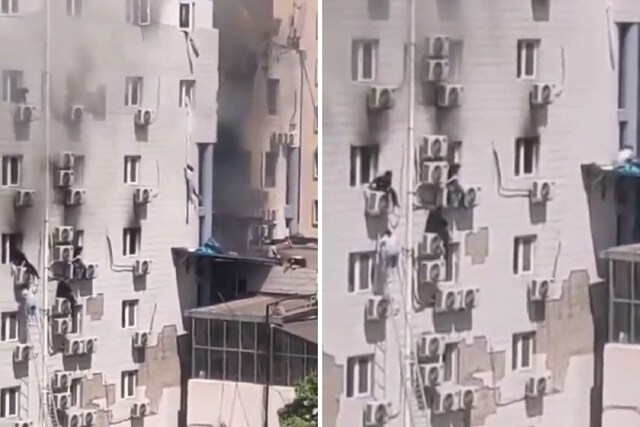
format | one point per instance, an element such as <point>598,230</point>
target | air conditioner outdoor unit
<point>434,172</point>
<point>432,374</point>
<point>63,253</point>
<point>541,191</point>
<point>61,326</point>
<point>449,95</point>
<point>538,289</point>
<point>543,94</point>
<point>23,423</point>
<point>140,339</point>
<point>73,419</point>
<point>73,346</point>
<point>20,276</point>
<point>469,298</point>
<point>60,380</point>
<point>446,401</point>
<point>24,198</point>
<point>24,113</point>
<point>90,271</point>
<point>76,113</point>
<point>22,352</point>
<point>376,202</point>
<point>377,308</point>
<point>61,400</point>
<point>144,116</point>
<point>434,147</point>
<point>63,235</point>
<point>467,397</point>
<point>61,307</point>
<point>538,385</point>
<point>140,409</point>
<point>90,345</point>
<point>75,197</point>
<point>74,272</point>
<point>431,246</point>
<point>435,70</point>
<point>376,413</point>
<point>432,271</point>
<point>142,267</point>
<point>431,346</point>
<point>88,417</point>
<point>381,98</point>
<point>470,197</point>
<point>447,300</point>
<point>66,160</point>
<point>64,178</point>
<point>438,46</point>
<point>142,195</point>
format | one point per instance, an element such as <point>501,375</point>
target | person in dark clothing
<point>19,259</point>
<point>383,183</point>
<point>64,291</point>
<point>437,223</point>
<point>77,263</point>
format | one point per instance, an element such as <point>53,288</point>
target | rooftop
<point>630,253</point>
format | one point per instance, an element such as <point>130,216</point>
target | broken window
<point>11,171</point>
<point>133,91</point>
<point>364,56</point>
<point>128,385</point>
<point>187,93</point>
<point>273,92</point>
<point>523,251</point>
<point>75,389</point>
<point>361,271</point>
<point>75,7</point>
<point>526,161</point>
<point>9,326</point>
<point>9,242</point>
<point>364,164</point>
<point>270,167</point>
<point>527,58</point>
<point>9,7</point>
<point>359,376</point>
<point>129,313</point>
<point>187,12</point>
<point>131,238</point>
<point>131,169</point>
<point>12,83</point>
<point>523,347</point>
<point>9,402</point>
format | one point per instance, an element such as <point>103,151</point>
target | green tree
<point>303,411</point>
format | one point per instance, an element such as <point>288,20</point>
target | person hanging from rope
<point>390,249</point>
<point>64,291</point>
<point>383,183</point>
<point>19,259</point>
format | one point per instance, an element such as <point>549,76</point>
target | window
<point>315,72</point>
<point>78,238</point>
<point>139,12</point>
<point>76,321</point>
<point>361,271</point>
<point>75,389</point>
<point>450,362</point>
<point>270,165</point>
<point>273,92</point>
<point>359,376</point>
<point>364,56</point>
<point>11,171</point>
<point>527,58</point>
<point>9,242</point>
<point>364,164</point>
<point>187,93</point>
<point>9,402</point>
<point>315,119</point>
<point>523,248</point>
<point>187,11</point>
<point>9,327</point>
<point>131,169</point>
<point>522,351</point>
<point>314,213</point>
<point>75,7</point>
<point>12,83</point>
<point>622,134</point>
<point>78,170</point>
<point>315,165</point>
<point>9,7</point>
<point>452,262</point>
<point>526,162</point>
<point>129,313</point>
<point>131,238</point>
<point>133,91</point>
<point>129,384</point>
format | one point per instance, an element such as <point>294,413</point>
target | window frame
<point>12,80</point>
<point>8,240</point>
<point>518,356</point>
<point>75,389</point>
<point>11,332</point>
<point>132,170</point>
<point>519,243</point>
<point>128,384</point>
<point>315,165</point>
<point>187,88</point>
<point>267,156</point>
<point>73,10</point>
<point>13,8</point>
<point>191,7</point>
<point>8,166</point>
<point>452,262</point>
<point>357,60</point>
<point>129,234</point>
<point>352,376</point>
<point>6,394</point>
<point>133,91</point>
<point>76,321</point>
<point>522,145</point>
<point>354,260</point>
<point>129,318</point>
<point>314,213</point>
<point>522,58</point>
<point>451,363</point>
<point>355,164</point>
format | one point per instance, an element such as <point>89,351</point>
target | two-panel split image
<point>305,213</point>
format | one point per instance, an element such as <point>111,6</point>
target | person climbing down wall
<point>19,259</point>
<point>30,302</point>
<point>390,249</point>
<point>383,183</point>
<point>64,291</point>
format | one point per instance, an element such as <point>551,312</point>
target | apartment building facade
<point>502,326</point>
<point>132,110</point>
<point>268,126</point>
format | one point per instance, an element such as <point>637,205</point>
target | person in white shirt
<point>272,251</point>
<point>625,155</point>
<point>390,249</point>
<point>29,301</point>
